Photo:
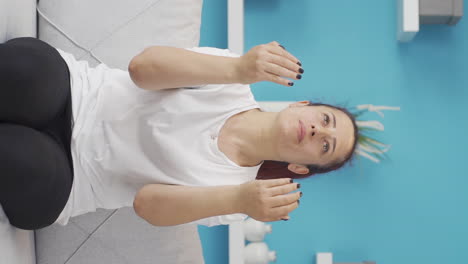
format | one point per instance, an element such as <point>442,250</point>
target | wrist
<point>237,201</point>
<point>234,74</point>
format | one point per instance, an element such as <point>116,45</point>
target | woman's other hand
<point>269,200</point>
<point>269,62</point>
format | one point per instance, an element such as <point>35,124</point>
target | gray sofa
<point>111,31</point>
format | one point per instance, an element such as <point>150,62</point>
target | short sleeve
<point>214,51</point>
<point>211,51</point>
<point>221,220</point>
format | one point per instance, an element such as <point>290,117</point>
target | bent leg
<point>34,82</point>
<point>35,177</point>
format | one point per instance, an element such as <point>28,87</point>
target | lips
<point>300,132</point>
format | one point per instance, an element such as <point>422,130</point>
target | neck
<point>251,137</point>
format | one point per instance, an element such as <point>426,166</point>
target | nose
<point>320,130</point>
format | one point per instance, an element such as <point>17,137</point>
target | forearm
<point>161,67</point>
<point>166,205</point>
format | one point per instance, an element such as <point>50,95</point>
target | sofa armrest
<point>16,245</point>
<point>17,19</point>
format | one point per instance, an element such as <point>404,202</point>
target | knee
<point>18,64</point>
<point>30,56</point>
<point>36,180</point>
<point>26,219</point>
<point>23,40</point>
<point>33,223</point>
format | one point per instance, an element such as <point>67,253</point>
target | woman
<point>178,136</point>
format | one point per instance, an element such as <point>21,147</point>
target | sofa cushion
<point>116,30</point>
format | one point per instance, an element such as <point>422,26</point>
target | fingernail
<point>301,70</point>
<point>301,194</point>
<point>299,63</point>
<point>284,219</point>
<point>282,47</point>
<point>298,185</point>
<point>291,180</point>
<point>299,76</point>
<point>290,83</point>
<point>298,202</point>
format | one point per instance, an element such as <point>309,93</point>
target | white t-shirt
<point>125,137</point>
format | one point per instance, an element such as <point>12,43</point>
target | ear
<point>298,169</point>
<point>301,103</point>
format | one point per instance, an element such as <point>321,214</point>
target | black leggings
<point>36,169</point>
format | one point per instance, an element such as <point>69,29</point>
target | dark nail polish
<point>301,194</point>
<point>282,47</point>
<point>298,202</point>
<point>298,185</point>
<point>299,63</point>
<point>290,83</point>
<point>301,70</point>
<point>284,219</point>
<point>299,76</point>
<point>291,181</point>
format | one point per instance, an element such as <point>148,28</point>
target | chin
<point>287,135</point>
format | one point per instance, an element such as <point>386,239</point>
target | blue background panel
<point>411,208</point>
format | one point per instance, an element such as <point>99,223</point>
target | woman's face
<point>313,134</point>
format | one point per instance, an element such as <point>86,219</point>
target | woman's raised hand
<point>269,200</point>
<point>269,62</point>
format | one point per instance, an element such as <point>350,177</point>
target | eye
<point>325,146</point>
<point>326,119</point>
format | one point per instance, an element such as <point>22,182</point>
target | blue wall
<point>412,208</point>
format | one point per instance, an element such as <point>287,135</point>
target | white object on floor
<point>258,253</point>
<point>236,243</point>
<point>254,230</point>
<point>408,19</point>
<point>324,258</point>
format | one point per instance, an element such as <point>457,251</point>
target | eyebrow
<point>334,139</point>
<point>334,120</point>
<point>334,145</point>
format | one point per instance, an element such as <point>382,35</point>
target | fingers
<point>283,203</point>
<point>284,218</point>
<point>279,80</point>
<point>276,182</point>
<point>275,48</point>
<point>285,63</point>
<point>284,189</point>
<point>280,71</point>
<point>282,200</point>
<point>285,210</point>
<point>278,201</point>
<point>281,64</point>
